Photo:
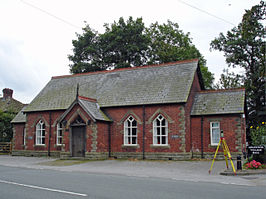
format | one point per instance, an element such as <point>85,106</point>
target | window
<point>160,131</point>
<point>130,131</point>
<point>24,136</point>
<point>40,133</point>
<point>59,134</point>
<point>215,133</point>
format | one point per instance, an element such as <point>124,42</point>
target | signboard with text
<point>256,150</point>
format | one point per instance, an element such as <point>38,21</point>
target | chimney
<point>7,93</point>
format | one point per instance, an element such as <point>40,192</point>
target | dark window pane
<point>134,131</point>
<point>158,123</point>
<point>163,139</point>
<point>134,140</point>
<point>158,131</point>
<point>163,131</point>
<point>158,140</point>
<point>43,132</point>
<point>163,122</point>
<point>134,123</point>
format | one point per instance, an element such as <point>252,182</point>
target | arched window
<point>160,131</point>
<point>130,131</point>
<point>59,134</point>
<point>40,133</point>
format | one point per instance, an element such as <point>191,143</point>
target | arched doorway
<point>78,138</point>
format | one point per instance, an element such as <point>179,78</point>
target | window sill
<point>167,146</point>
<point>130,146</point>
<point>39,145</point>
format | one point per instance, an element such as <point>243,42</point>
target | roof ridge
<point>87,99</point>
<point>221,90</point>
<point>125,69</point>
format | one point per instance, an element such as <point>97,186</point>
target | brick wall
<point>18,136</point>
<point>232,126</point>
<point>194,89</point>
<point>172,113</point>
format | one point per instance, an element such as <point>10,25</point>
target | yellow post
<point>215,155</point>
<point>225,153</point>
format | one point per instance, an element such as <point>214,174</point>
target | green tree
<point>169,43</point>
<point>6,133</point>
<point>244,46</point>
<point>87,52</point>
<point>125,43</point>
<point>129,43</point>
<point>229,80</point>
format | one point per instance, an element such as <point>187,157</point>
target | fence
<point>5,147</point>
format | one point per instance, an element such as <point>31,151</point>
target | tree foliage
<point>6,133</point>
<point>229,80</point>
<point>129,43</point>
<point>168,43</point>
<point>244,46</point>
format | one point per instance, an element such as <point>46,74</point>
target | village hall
<point>150,112</point>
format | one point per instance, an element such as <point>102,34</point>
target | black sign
<point>256,149</point>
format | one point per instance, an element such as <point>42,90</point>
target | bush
<point>258,135</point>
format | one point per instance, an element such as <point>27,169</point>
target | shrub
<point>258,134</point>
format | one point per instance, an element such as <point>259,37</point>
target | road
<point>24,183</point>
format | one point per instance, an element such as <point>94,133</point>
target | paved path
<point>196,171</point>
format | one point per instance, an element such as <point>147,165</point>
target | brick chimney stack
<point>7,93</point>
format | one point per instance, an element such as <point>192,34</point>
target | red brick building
<point>153,112</point>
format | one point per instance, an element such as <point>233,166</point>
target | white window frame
<point>40,133</point>
<point>157,134</point>
<point>211,130</point>
<point>128,129</point>
<point>59,134</point>
<point>24,136</point>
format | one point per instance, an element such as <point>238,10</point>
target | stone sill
<point>160,146</point>
<point>39,145</point>
<point>130,146</point>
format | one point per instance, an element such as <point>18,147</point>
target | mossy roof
<point>20,117</point>
<point>158,84</point>
<point>10,104</point>
<point>219,102</point>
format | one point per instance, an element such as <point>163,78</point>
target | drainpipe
<point>109,139</point>
<point>50,132</point>
<point>143,131</point>
<point>201,137</point>
<point>191,140</point>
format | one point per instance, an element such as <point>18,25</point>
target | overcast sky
<point>36,35</point>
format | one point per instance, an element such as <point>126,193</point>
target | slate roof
<point>219,102</point>
<point>20,117</point>
<point>166,83</point>
<point>90,106</point>
<point>10,104</point>
<point>93,109</point>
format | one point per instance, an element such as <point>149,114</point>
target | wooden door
<point>78,141</point>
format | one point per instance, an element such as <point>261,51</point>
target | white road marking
<point>43,188</point>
